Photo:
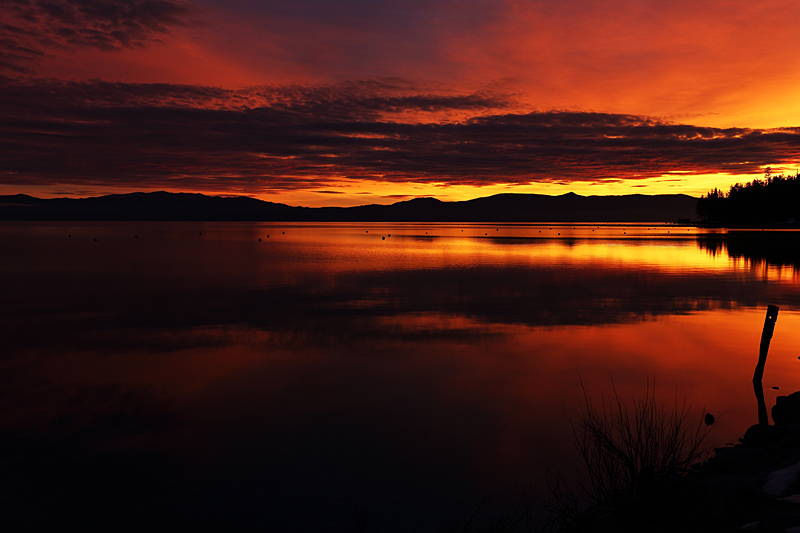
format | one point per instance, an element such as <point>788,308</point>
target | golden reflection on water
<point>441,360</point>
<point>390,246</point>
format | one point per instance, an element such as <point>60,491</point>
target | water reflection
<point>194,376</point>
<point>775,248</point>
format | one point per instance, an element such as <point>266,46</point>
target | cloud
<point>294,137</point>
<point>37,26</point>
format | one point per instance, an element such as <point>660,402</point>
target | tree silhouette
<point>773,199</point>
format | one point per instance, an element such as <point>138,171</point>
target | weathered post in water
<point>766,336</point>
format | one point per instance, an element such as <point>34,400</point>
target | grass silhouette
<point>634,456</point>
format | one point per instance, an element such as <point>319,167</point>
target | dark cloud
<point>190,137</point>
<point>41,25</point>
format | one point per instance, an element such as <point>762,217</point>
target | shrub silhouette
<point>634,460</point>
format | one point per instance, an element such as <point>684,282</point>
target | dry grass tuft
<point>634,459</point>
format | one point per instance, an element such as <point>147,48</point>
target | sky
<point>350,102</point>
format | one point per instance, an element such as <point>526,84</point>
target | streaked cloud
<point>307,137</point>
<point>255,96</point>
<point>35,26</point>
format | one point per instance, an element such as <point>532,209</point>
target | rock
<point>786,457</point>
<point>780,517</point>
<point>739,460</point>
<point>762,436</point>
<point>782,482</point>
<point>736,498</point>
<point>786,409</point>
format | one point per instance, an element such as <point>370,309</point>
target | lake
<point>356,377</point>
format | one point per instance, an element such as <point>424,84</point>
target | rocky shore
<point>754,485</point>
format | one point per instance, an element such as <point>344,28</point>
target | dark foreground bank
<point>753,485</point>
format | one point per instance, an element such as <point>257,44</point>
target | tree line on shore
<point>773,199</point>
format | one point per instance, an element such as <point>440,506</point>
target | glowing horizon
<point>340,103</point>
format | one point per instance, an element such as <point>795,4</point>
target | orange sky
<point>302,103</point>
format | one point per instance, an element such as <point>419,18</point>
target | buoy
<point>383,238</point>
<point>95,240</point>
<point>389,235</point>
<point>267,236</point>
<point>259,239</point>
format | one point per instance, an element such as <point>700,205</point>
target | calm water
<point>187,375</point>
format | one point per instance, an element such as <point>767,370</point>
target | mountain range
<point>569,207</point>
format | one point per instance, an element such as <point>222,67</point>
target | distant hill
<point>498,208</point>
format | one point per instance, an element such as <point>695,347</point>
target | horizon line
<point>397,201</point>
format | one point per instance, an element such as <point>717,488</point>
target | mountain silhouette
<point>569,207</point>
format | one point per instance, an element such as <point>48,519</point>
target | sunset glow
<point>345,103</point>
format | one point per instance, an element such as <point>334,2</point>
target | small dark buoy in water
<point>497,229</point>
<point>383,238</point>
<point>283,233</point>
<point>259,239</point>
<point>389,235</point>
<point>71,234</point>
<point>95,240</point>
<point>709,419</point>
<point>559,234</point>
<point>135,236</point>
<point>267,236</point>
<point>775,388</point>
<point>486,234</point>
<point>201,233</point>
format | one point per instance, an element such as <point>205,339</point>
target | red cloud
<point>141,135</point>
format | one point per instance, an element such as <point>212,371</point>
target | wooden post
<point>766,337</point>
